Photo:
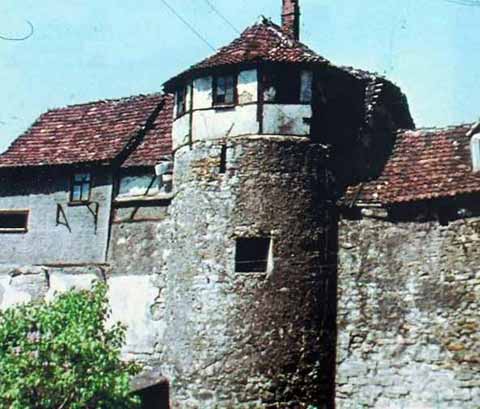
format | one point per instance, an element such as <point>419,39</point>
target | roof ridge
<point>262,41</point>
<point>433,129</point>
<point>106,101</point>
<point>98,131</point>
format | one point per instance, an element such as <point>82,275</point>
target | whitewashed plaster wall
<point>72,237</point>
<point>210,122</point>
<point>218,124</point>
<point>287,119</point>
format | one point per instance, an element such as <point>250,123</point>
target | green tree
<point>61,355</point>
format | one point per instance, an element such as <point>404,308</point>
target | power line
<point>219,14</point>
<point>25,37</point>
<point>194,31</point>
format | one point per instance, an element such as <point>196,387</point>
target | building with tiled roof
<point>96,133</point>
<point>274,231</point>
<point>424,164</point>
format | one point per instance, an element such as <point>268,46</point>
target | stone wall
<point>248,340</point>
<point>221,338</point>
<point>135,273</point>
<point>25,284</point>
<point>408,315</point>
<point>139,247</point>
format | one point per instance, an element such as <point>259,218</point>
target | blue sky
<point>89,49</point>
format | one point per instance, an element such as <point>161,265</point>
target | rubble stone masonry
<point>408,315</point>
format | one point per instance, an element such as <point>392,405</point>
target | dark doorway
<point>155,397</point>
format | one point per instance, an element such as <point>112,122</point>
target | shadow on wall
<point>155,397</point>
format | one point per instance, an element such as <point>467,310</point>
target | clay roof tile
<point>425,164</point>
<point>96,132</point>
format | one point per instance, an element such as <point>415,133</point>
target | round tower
<point>250,319</point>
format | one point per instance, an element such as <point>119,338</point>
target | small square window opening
<point>252,255</point>
<point>13,221</point>
<point>81,187</point>
<point>224,90</point>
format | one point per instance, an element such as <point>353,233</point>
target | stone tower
<point>250,283</point>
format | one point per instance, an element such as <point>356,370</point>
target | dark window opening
<point>13,221</point>
<point>281,85</point>
<point>224,88</point>
<point>155,397</point>
<point>223,159</point>
<point>252,255</point>
<point>81,187</point>
<point>181,101</point>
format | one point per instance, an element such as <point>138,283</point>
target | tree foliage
<point>61,355</point>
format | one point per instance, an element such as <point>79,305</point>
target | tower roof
<point>263,41</point>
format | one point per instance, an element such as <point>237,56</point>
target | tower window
<point>13,221</point>
<point>281,85</point>
<point>81,187</point>
<point>224,88</point>
<point>306,81</point>
<point>181,101</point>
<point>223,159</point>
<point>252,255</point>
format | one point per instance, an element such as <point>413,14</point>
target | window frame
<point>22,230</point>
<point>215,94</point>
<point>74,183</point>
<point>179,113</point>
<point>273,76</point>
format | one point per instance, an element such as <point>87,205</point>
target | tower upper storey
<point>267,82</point>
<point>261,83</point>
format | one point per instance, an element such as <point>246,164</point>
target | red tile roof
<point>92,132</point>
<point>425,164</point>
<point>157,142</point>
<point>264,41</point>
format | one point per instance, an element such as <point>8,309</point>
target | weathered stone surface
<point>21,284</point>
<point>408,310</point>
<point>61,280</point>
<point>135,248</point>
<point>245,340</point>
<point>408,314</point>
<point>131,299</point>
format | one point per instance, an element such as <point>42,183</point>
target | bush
<point>61,355</point>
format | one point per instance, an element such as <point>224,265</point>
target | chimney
<point>291,18</point>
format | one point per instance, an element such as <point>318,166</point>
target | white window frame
<point>84,181</point>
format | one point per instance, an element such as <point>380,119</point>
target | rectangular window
<point>13,221</point>
<point>281,85</point>
<point>81,187</point>
<point>224,90</point>
<point>252,255</point>
<point>223,159</point>
<point>306,87</point>
<point>181,101</point>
